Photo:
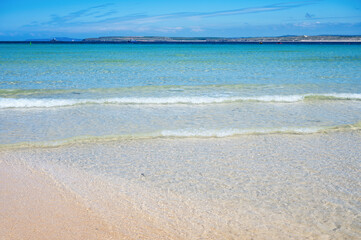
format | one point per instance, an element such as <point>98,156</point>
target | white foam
<point>37,103</point>
<point>198,100</point>
<point>233,132</point>
<point>355,96</point>
<point>45,103</point>
<point>276,98</point>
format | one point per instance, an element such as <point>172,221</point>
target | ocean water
<point>54,93</point>
<point>193,141</point>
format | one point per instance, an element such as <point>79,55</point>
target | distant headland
<point>284,39</point>
<point>155,39</point>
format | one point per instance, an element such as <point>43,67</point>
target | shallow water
<point>52,126</point>
<point>275,186</point>
<point>201,141</point>
<point>62,92</point>
<point>85,66</point>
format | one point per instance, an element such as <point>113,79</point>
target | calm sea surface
<point>62,92</point>
<point>115,125</point>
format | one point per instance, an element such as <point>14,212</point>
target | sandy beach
<point>180,120</point>
<point>277,186</point>
<point>34,206</point>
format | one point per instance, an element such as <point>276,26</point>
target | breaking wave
<point>48,102</point>
<point>184,133</point>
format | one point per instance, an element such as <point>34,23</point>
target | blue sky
<point>29,19</point>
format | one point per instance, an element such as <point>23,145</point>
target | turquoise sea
<point>69,92</point>
<point>192,141</point>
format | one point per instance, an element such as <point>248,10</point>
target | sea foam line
<point>46,102</point>
<point>253,131</point>
<point>235,132</point>
<point>180,133</point>
<point>183,133</point>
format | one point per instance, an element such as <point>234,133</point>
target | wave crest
<point>234,132</point>
<point>47,102</point>
<point>185,133</point>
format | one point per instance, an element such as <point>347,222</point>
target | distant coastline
<point>284,39</point>
<point>154,39</point>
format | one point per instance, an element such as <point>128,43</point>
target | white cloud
<point>169,29</point>
<point>307,24</point>
<point>197,29</point>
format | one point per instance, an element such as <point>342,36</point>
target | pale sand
<point>32,206</point>
<point>35,206</point>
<point>251,187</point>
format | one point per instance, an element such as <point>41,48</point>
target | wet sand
<point>277,186</point>
<point>33,206</point>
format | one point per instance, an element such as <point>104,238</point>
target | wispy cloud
<point>307,24</point>
<point>308,15</point>
<point>109,13</point>
<point>75,17</point>
<point>169,29</point>
<point>300,28</point>
<point>313,17</point>
<point>105,19</point>
<point>268,8</point>
<point>240,11</point>
<point>106,13</point>
<point>197,29</point>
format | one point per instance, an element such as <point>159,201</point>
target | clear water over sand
<point>193,141</point>
<point>256,186</point>
<point>61,92</point>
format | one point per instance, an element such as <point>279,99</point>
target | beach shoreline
<point>34,206</point>
<point>276,186</point>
